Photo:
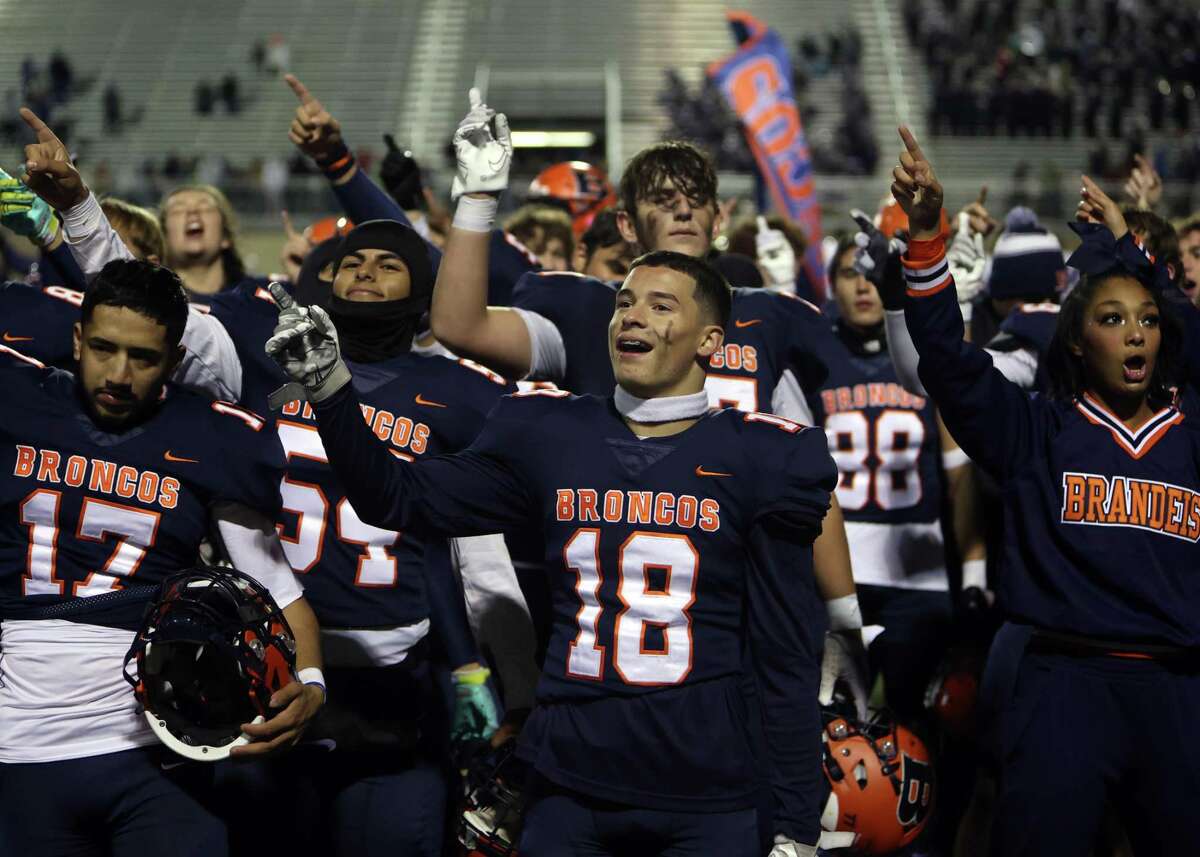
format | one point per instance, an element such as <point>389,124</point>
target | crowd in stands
<point>701,114</point>
<point>1057,68</point>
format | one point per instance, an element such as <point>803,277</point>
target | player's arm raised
<point>50,173</point>
<point>460,316</point>
<point>990,417</point>
<point>471,493</point>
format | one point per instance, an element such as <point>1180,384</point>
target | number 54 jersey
<point>677,565</point>
<point>886,444</point>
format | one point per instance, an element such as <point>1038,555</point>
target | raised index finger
<point>282,299</point>
<point>910,143</point>
<point>301,91</point>
<point>44,134</point>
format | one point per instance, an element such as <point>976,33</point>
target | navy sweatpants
<point>563,824</point>
<point>1079,730</point>
<point>120,804</point>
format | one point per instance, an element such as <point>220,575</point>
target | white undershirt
<point>62,693</point>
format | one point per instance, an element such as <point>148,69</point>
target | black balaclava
<point>371,331</point>
<point>310,288</point>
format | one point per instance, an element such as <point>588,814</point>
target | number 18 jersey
<point>887,448</point>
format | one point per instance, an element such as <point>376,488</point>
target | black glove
<point>878,259</point>
<point>401,175</point>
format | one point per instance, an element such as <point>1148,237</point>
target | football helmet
<point>953,691</point>
<point>881,777</point>
<point>212,650</point>
<point>581,189</point>
<point>326,228</point>
<point>490,823</point>
<point>891,218</point>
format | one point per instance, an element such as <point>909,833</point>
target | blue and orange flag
<point>757,83</point>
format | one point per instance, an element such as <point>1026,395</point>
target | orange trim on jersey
<point>1136,444</point>
<point>31,361</point>
<point>921,254</point>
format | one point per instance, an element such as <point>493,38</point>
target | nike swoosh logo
<point>169,457</point>
<point>8,337</point>
<point>750,323</point>
<point>167,766</point>
<point>700,471</point>
<point>421,400</point>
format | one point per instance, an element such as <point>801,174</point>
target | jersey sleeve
<point>991,418</point>
<point>251,459</point>
<point>362,200</point>
<point>508,261</point>
<point>91,238</point>
<point>251,543</point>
<point>210,363</point>
<point>785,636</point>
<point>806,327</point>
<point>474,492</point>
<point>447,606</point>
<point>799,478</point>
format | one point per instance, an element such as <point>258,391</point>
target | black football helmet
<point>212,650</point>
<point>493,783</point>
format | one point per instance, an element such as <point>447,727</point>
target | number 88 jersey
<point>887,449</point>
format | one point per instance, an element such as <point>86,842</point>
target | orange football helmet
<point>581,188</point>
<point>891,218</point>
<point>881,776</point>
<point>326,228</point>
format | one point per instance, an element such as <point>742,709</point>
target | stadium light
<point>552,139</point>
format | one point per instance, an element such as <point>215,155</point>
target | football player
<point>368,585</point>
<point>678,541</point>
<point>554,330</point>
<point>895,463</point>
<point>1101,477</point>
<point>112,479</point>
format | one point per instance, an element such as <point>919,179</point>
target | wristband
<point>337,163</point>
<point>313,675</point>
<point>974,573</point>
<point>844,613</point>
<point>474,675</point>
<point>476,214</point>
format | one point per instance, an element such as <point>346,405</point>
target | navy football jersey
<point>508,261</point>
<point>357,575</point>
<point>1101,521</point>
<point>38,321</point>
<point>768,334</point>
<point>580,307</point>
<point>88,510</point>
<point>886,444</point>
<point>1029,326</point>
<point>675,563</point>
<point>249,314</point>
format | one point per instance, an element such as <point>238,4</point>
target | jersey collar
<point>1135,443</point>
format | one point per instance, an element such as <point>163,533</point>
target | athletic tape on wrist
<point>476,214</point>
<point>312,675</point>
<point>844,613</point>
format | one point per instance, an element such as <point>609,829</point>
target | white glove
<point>845,658</point>
<point>305,345</point>
<point>775,257</point>
<point>967,260</point>
<point>785,847</point>
<point>483,160</point>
